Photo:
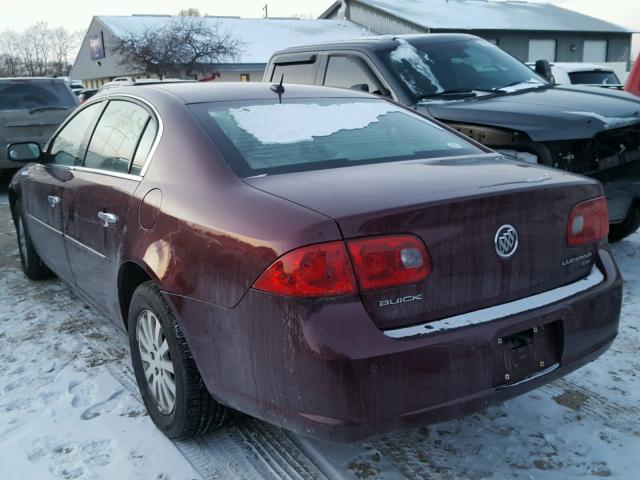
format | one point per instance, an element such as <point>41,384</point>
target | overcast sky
<point>18,14</point>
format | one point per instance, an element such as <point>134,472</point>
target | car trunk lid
<point>456,206</point>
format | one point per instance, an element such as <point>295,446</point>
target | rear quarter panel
<point>214,235</point>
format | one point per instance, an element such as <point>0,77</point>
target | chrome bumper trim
<point>500,311</point>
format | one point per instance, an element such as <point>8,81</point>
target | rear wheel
<point>32,264</point>
<point>169,382</point>
<point>629,225</point>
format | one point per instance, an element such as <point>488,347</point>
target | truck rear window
<point>28,94</point>
<point>266,137</point>
<point>594,78</point>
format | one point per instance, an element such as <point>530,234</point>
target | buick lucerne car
<point>323,259</point>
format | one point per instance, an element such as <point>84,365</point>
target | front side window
<point>67,147</point>
<point>116,137</point>
<point>428,70</point>
<point>348,72</point>
<point>266,137</point>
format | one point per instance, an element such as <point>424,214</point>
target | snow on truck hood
<point>558,113</point>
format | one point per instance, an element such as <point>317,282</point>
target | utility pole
<point>266,10</point>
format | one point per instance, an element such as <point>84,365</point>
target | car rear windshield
<point>29,95</point>
<point>594,78</point>
<point>268,137</point>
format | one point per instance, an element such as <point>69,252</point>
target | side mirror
<point>24,152</point>
<point>543,68</point>
<point>383,92</point>
<point>361,87</point>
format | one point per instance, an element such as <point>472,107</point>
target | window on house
<point>245,77</point>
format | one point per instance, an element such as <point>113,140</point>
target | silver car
<point>31,110</point>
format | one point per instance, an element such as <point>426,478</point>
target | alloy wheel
<point>156,361</point>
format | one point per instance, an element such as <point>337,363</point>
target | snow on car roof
<point>261,36</point>
<point>491,15</point>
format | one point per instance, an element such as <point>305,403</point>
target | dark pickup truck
<point>482,91</point>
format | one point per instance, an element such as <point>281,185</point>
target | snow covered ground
<point>69,410</point>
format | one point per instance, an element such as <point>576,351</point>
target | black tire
<point>194,411</point>
<point>629,225</point>
<point>32,265</point>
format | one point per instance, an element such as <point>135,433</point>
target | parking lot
<point>69,408</point>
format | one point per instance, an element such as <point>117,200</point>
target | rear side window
<point>144,147</point>
<point>304,73</point>
<point>266,137</point>
<point>29,95</point>
<point>347,72</point>
<point>594,78</point>
<point>68,145</point>
<point>116,137</point>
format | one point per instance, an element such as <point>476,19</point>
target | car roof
<point>380,42</point>
<point>32,79</point>
<point>581,67</point>
<point>201,92</point>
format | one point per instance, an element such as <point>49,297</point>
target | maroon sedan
<point>322,259</point>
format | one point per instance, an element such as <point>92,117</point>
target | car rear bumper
<point>322,368</point>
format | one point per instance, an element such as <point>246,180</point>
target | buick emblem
<point>506,241</point>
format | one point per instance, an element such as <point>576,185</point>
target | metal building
<point>528,31</point>
<point>97,63</point>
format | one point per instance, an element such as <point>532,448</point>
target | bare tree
<point>37,51</point>
<point>184,46</point>
<point>10,64</point>
<point>189,12</point>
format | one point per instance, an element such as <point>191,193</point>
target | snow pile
<point>299,122</point>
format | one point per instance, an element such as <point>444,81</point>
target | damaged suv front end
<point>489,96</point>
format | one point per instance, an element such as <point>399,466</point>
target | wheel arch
<point>130,276</point>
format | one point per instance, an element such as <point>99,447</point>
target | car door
<point>44,190</point>
<point>101,195</point>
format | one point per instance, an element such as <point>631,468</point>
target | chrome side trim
<point>108,173</point>
<point>500,311</point>
<point>66,237</point>
<point>89,249</point>
<point>44,224</point>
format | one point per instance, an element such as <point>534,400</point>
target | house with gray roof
<point>97,62</point>
<point>529,31</point>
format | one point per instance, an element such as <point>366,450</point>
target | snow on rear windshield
<point>260,137</point>
<point>299,122</point>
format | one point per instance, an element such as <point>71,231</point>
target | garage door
<point>544,49</point>
<point>595,51</point>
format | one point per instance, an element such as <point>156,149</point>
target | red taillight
<point>314,271</point>
<point>389,261</point>
<point>326,269</point>
<point>588,222</point>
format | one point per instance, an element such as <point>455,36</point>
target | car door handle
<point>53,200</point>
<point>107,218</point>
